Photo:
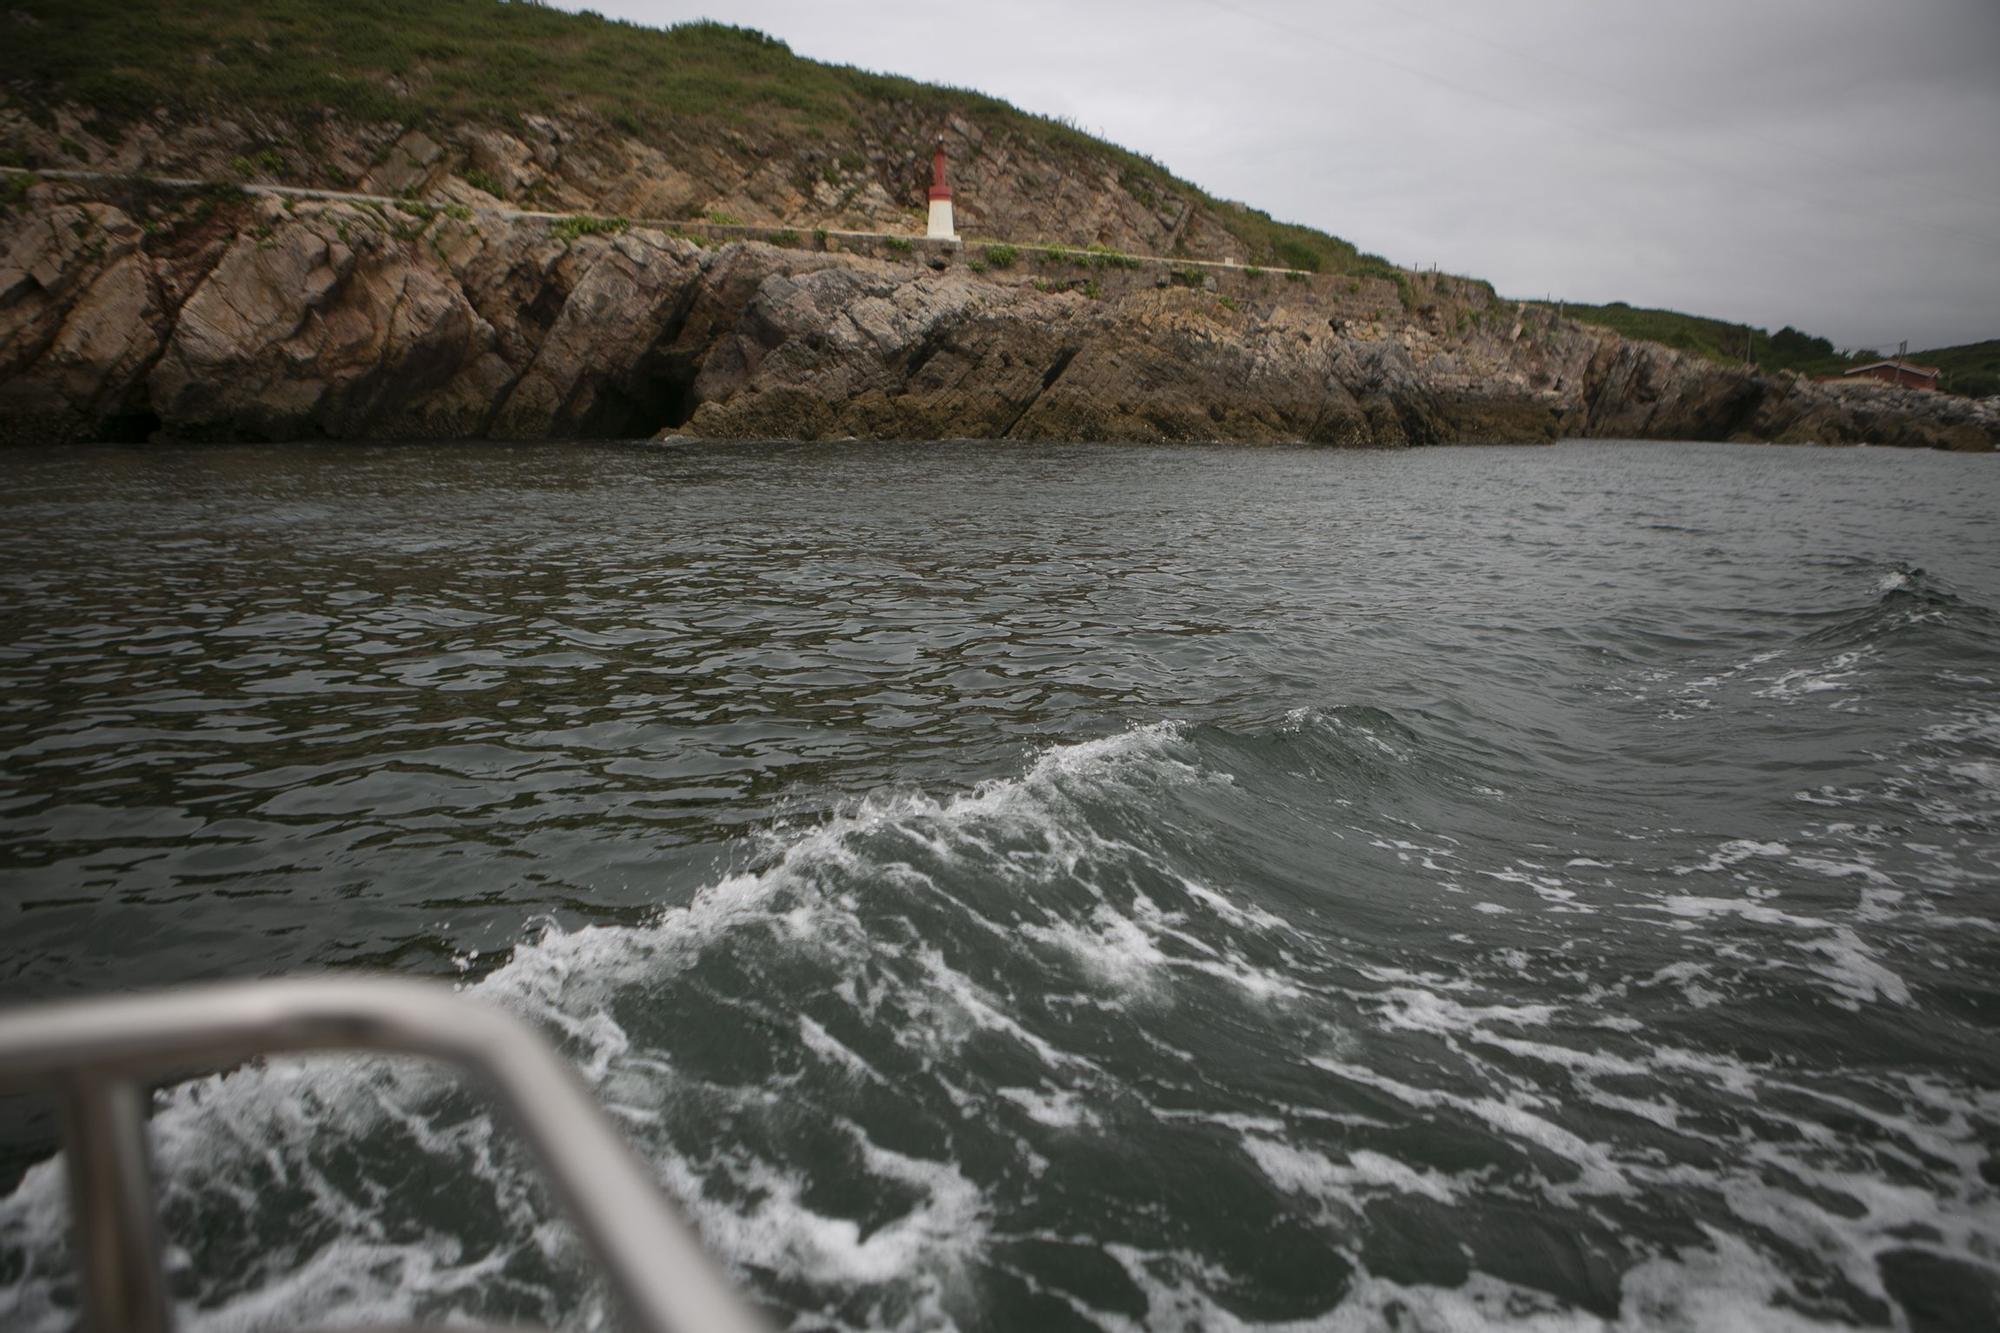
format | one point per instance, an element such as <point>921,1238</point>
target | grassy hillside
<point>435,63</point>
<point>428,63</point>
<point>1971,369</point>
<point>1718,340</point>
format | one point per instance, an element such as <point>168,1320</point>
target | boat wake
<point>1190,1026</point>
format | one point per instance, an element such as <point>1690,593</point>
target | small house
<point>1896,372</point>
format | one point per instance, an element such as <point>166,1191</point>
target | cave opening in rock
<point>658,395</point>
<point>133,427</point>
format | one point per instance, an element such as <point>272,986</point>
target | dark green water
<point>1047,887</point>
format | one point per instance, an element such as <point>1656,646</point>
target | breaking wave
<point>951,1060</point>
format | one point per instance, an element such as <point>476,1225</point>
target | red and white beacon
<point>940,226</point>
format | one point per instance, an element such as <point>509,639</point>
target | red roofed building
<point>1896,372</point>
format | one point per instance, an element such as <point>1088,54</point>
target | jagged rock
<point>121,314</point>
<point>411,167</point>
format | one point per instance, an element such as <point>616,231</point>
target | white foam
<point>822,1043</point>
<point>1415,1009</point>
<point>1727,1288</point>
<point>777,1230</point>
<point>216,1135</point>
<point>1732,853</point>
<point>1893,581</point>
<point>1113,948</point>
<point>1840,956</point>
<point>1349,1183</point>
<point>1599,1174</point>
<point>1062,1109</point>
<point>1835,676</point>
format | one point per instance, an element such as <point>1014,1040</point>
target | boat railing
<point>100,1058</point>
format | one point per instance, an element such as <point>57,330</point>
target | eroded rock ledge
<point>131,313</point>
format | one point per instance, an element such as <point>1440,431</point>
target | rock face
<point>867,176</point>
<point>128,313</point>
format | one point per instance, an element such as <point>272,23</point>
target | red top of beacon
<point>939,190</point>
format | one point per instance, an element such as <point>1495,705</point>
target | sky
<point>1829,164</point>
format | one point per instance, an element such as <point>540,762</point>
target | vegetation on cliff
<point>1717,340</point>
<point>439,63</point>
<point>1973,369</point>
<point>458,103</point>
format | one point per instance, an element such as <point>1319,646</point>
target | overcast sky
<point>1831,164</point>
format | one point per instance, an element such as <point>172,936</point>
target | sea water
<point>1044,887</point>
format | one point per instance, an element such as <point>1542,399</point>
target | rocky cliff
<point>128,312</point>
<point>866,173</point>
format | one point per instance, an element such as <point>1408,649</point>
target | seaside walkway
<point>723,231</point>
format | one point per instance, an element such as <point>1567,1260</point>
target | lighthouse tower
<point>940,228</point>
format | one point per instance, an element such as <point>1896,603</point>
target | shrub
<point>722,219</point>
<point>480,180</point>
<point>977,266</point>
<point>787,238</point>
<point>1296,254</point>
<point>897,245</point>
<point>1001,256</point>
<point>583,224</point>
<point>263,162</point>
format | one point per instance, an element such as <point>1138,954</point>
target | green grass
<point>264,162</point>
<point>1001,256</point>
<point>571,228</point>
<point>438,62</point>
<point>480,180</point>
<point>13,189</point>
<point>1972,368</point>
<point>1717,340</point>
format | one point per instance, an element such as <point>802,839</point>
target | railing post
<point>113,1214</point>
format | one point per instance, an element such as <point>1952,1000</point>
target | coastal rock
<point>124,314</point>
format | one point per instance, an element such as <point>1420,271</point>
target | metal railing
<point>99,1058</point>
